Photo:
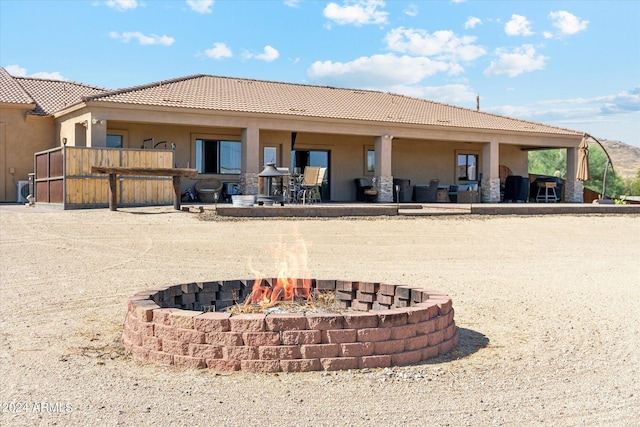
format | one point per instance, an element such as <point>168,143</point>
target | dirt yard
<point>548,309</point>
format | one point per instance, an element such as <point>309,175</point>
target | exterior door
<point>320,158</point>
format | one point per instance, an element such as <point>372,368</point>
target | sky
<point>573,64</point>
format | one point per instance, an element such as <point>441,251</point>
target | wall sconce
<point>83,123</point>
<point>97,121</point>
<point>64,141</point>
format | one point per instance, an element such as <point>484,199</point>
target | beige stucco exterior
<point>21,135</point>
<point>415,152</point>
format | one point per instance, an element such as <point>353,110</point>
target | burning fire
<point>268,292</point>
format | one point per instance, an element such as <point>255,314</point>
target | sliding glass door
<point>320,158</point>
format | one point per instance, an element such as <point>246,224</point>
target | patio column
<point>250,141</point>
<point>573,189</point>
<point>383,168</point>
<point>491,172</point>
<point>96,132</point>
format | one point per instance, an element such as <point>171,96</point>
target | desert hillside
<point>625,157</point>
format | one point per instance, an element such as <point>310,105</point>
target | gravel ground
<point>547,306</point>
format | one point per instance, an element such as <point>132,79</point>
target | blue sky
<point>574,64</point>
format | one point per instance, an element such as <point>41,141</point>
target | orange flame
<point>286,287</point>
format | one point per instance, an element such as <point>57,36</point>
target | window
<point>370,165</point>
<point>467,169</point>
<point>114,141</point>
<point>270,154</point>
<point>221,157</point>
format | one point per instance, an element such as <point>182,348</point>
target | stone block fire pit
<point>379,325</point>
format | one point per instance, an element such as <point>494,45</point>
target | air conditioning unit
<point>23,191</point>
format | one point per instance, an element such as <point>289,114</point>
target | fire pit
<point>377,325</point>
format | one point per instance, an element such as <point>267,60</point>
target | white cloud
<point>518,26</point>
<point>522,59</point>
<point>269,54</point>
<point>358,12</point>
<point>18,71</point>
<point>292,3</point>
<point>153,39</point>
<point>442,44</point>
<point>457,94</point>
<point>614,117</point>
<point>122,5</point>
<point>472,21</point>
<point>219,50</point>
<point>378,71</point>
<point>567,23</point>
<point>411,10</point>
<point>200,6</point>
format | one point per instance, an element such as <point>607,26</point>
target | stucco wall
<point>515,159</point>
<point>21,136</point>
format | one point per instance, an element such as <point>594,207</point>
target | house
<point>229,128</point>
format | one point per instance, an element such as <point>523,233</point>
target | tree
<point>597,162</point>
<point>549,162</point>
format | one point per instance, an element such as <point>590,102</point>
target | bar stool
<point>546,191</point>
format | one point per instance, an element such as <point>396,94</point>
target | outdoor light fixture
<point>97,121</point>
<point>83,123</point>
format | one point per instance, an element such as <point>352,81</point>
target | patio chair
<point>516,189</point>
<point>427,193</point>
<point>207,189</point>
<point>365,191</point>
<point>309,184</point>
<point>315,194</point>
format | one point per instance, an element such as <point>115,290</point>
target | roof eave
<point>69,109</point>
<point>20,105</point>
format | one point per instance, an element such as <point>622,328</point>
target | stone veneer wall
<point>385,188</point>
<point>574,191</point>
<point>491,190</point>
<point>249,183</point>
<point>405,324</point>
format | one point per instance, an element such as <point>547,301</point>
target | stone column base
<point>491,190</point>
<point>249,183</point>
<point>573,191</point>
<point>385,188</point>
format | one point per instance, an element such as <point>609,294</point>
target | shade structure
<point>582,173</point>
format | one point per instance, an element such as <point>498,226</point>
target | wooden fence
<point>63,176</point>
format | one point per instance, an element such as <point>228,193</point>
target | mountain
<point>625,157</point>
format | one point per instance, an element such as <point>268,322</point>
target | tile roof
<point>53,95</point>
<point>258,96</point>
<point>10,91</point>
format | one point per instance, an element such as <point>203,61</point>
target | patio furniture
<point>546,192</point>
<point>207,189</point>
<point>427,193</point>
<point>442,195</point>
<point>503,172</point>
<point>365,191</point>
<point>114,171</point>
<point>516,189</point>
<point>534,189</point>
<point>311,184</point>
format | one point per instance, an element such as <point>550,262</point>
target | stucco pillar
<point>573,189</point>
<point>491,172</point>
<point>384,175</point>
<point>250,141</point>
<point>96,132</point>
